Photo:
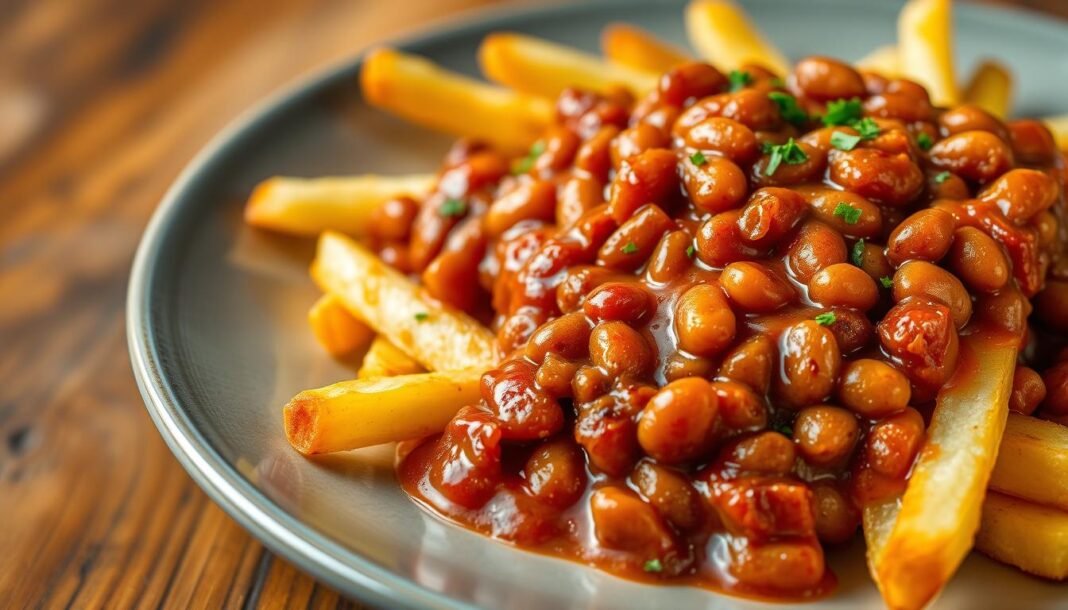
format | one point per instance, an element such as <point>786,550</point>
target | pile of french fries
<point>422,360</point>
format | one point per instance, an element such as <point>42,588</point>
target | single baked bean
<point>815,247</point>
<point>567,336</point>
<point>670,494</point>
<point>680,365</point>
<point>579,281</point>
<point>672,255</point>
<point>555,473</point>
<point>750,363</point>
<point>577,194</point>
<point>451,276</point>
<point>873,262</point>
<point>725,136</point>
<point>1007,309</point>
<point>1032,142</point>
<point>825,435</point>
<point>525,412</point>
<point>845,211</point>
<point>923,280</point>
<point>979,156</point>
<point>469,469</point>
<point>1052,305</point>
<point>677,423</point>
<point>899,106</point>
<point>648,177</point>
<point>873,388</point>
<point>395,255</point>
<point>715,185</point>
<point>810,363</point>
<point>393,219</point>
<point>767,452</point>
<point>594,156</point>
<point>754,287</point>
<point>968,117</point>
<point>704,322</point>
<point>777,566</point>
<point>921,336</point>
<point>624,301</point>
<point>1056,380</point>
<point>606,429</point>
<point>739,407</point>
<point>1045,223</point>
<point>749,107</point>
<point>824,79</point>
<point>926,235</point>
<point>656,114</point>
<point>619,349</point>
<point>690,81</point>
<point>809,169</point>
<point>555,375</point>
<point>845,285</point>
<point>530,200</point>
<point>622,521</point>
<point>837,518</point>
<point>634,240</point>
<point>852,330</point>
<point>978,260</point>
<point>589,383</point>
<point>719,240</point>
<point>1028,390</point>
<point>893,443</point>
<point>635,140</point>
<point>1021,193</point>
<point>908,88</point>
<point>891,179</point>
<point>769,215</point>
<point>946,185</point>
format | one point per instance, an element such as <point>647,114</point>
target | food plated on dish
<point>690,322</point>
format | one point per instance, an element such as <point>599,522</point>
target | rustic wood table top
<point>101,104</point>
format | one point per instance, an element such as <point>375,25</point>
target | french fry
<point>990,88</point>
<point>338,331</point>
<point>1059,126</point>
<point>365,412</point>
<point>723,35</point>
<point>419,91</point>
<point>935,524</point>
<point>925,47</point>
<point>435,335</point>
<point>544,68</point>
<point>631,46</point>
<point>1031,537</point>
<point>1033,461</point>
<point>307,207</point>
<point>882,60</point>
<point>383,359</point>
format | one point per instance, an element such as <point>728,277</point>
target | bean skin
<point>977,260</point>
<point>810,363</point>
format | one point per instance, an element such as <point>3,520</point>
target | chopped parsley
<point>924,141</point>
<point>789,153</point>
<point>690,251</point>
<point>886,281</point>
<point>941,177</point>
<point>843,141</point>
<point>788,107</point>
<point>525,164</point>
<point>698,158</point>
<point>452,207</point>
<point>866,127</point>
<point>848,213</point>
<point>784,428</point>
<point>825,319</point>
<point>858,253</point>
<point>777,82</point>
<point>739,79</point>
<point>421,316</point>
<point>842,112</point>
<point>629,248</point>
<point>653,566</point>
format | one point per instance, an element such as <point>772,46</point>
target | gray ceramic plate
<point>219,342</point>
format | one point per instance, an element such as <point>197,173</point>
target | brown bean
<point>672,256</point>
<point>393,219</point>
<point>577,195</point>
<point>753,287</point>
<point>824,79</point>
<point>1007,309</point>
<point>635,140</point>
<point>648,177</point>
<point>769,215</point>
<point>777,566</point>
<point>622,521</point>
<point>904,107</point>
<point>845,211</point>
<point>1052,305</point>
<point>837,518</point>
<point>844,285</point>
<point>749,107</point>
<point>978,260</point>
<point>825,435</point>
<point>594,156</point>
<point>893,443</point>
<point>926,235</point>
<point>873,261</point>
<point>670,493</point>
<point>808,169</point>
<point>750,363</point>
<point>815,247</point>
<point>873,388</point>
<point>979,156</point>
<point>567,336</point>
<point>530,200</point>
<point>719,241</point>
<point>715,185</point>
<point>619,349</point>
<point>1032,142</point>
<point>704,322</point>
<point>633,242</point>
<point>1028,390</point>
<point>677,423</point>
<point>1020,194</point>
<point>767,452</point>
<point>924,280</point>
<point>968,117</point>
<point>555,473</point>
<point>810,363</point>
<point>1056,380</point>
<point>882,177</point>
<point>726,137</point>
<point>739,406</point>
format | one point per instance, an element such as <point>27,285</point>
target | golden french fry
<point>627,45</point>
<point>933,528</point>
<point>383,359</point>
<point>365,412</point>
<point>882,60</point>
<point>419,91</point>
<point>1059,126</point>
<point>925,47</point>
<point>544,68</point>
<point>309,206</point>
<point>338,331</point>
<point>1033,461</point>
<point>1031,537</point>
<point>723,35</point>
<point>990,88</point>
<point>437,336</point>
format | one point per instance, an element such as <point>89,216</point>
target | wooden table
<point>101,104</point>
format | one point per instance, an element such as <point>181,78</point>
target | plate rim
<point>281,532</point>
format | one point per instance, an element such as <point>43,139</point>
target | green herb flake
<point>653,566</point>
<point>788,107</point>
<point>690,251</point>
<point>867,128</point>
<point>452,207</point>
<point>422,316</point>
<point>941,177</point>
<point>777,82</point>
<point>825,319</point>
<point>842,112</point>
<point>698,158</point>
<point>924,141</point>
<point>886,281</point>
<point>789,153</point>
<point>784,428</point>
<point>843,141</point>
<point>739,79</point>
<point>525,164</point>
<point>629,248</point>
<point>858,253</point>
<point>848,213</point>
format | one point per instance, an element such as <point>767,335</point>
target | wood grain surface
<point>101,104</point>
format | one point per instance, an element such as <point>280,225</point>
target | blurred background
<point>102,102</point>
